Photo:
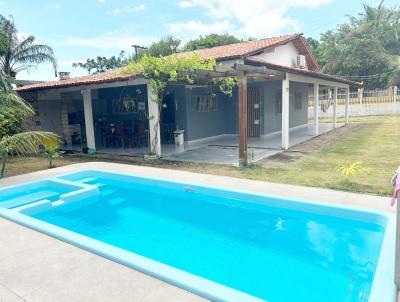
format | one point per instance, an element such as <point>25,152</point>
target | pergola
<point>245,74</point>
<point>255,71</point>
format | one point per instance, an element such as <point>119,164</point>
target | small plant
<point>52,151</point>
<point>250,158</point>
<point>350,171</point>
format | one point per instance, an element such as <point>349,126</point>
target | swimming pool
<point>223,245</point>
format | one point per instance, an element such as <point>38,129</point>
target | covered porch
<point>225,149</point>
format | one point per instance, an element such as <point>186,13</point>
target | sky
<point>77,30</point>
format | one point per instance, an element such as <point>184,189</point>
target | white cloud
<point>259,18</point>
<point>53,6</point>
<point>129,9</point>
<point>118,40</point>
<point>101,1</point>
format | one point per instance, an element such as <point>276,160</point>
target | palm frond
<point>36,54</point>
<point>10,102</point>
<point>26,142</point>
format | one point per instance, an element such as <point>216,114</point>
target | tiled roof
<point>242,49</point>
<point>104,77</point>
<point>305,72</point>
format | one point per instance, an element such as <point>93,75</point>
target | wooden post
<point>335,91</point>
<point>285,113</point>
<point>316,109</point>
<point>242,102</point>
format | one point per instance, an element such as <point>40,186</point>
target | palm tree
<point>21,54</point>
<point>13,109</point>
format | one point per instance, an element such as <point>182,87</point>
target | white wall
<point>360,110</point>
<point>281,55</point>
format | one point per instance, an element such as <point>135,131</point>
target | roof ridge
<point>247,42</point>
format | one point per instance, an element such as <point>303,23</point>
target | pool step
<point>88,179</point>
<point>107,192</point>
<point>116,201</point>
<point>29,198</point>
<point>98,184</point>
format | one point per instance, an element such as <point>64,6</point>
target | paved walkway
<point>36,267</point>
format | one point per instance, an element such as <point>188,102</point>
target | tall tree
<point>101,64</point>
<point>21,54</point>
<point>366,48</point>
<point>164,47</point>
<point>211,40</point>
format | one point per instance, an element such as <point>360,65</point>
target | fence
<point>361,102</point>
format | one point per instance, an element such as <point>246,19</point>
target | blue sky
<point>87,28</point>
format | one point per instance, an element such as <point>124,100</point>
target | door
<point>254,101</point>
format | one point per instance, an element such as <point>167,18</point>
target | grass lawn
<point>375,141</point>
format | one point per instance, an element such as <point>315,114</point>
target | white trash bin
<point>179,137</point>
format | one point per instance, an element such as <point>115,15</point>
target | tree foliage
<point>13,109</point>
<point>164,47</point>
<point>18,54</point>
<point>366,48</point>
<point>101,64</point>
<point>211,40</point>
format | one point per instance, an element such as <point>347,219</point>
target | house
<point>108,112</point>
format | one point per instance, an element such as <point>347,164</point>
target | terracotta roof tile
<point>242,48</point>
<point>104,77</point>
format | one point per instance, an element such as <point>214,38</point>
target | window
<point>298,100</point>
<point>207,103</point>
<point>278,101</point>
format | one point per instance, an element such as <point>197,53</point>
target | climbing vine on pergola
<point>178,68</point>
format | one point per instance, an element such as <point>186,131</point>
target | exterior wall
<point>272,121</point>
<point>207,124</point>
<point>199,125</point>
<point>281,55</point>
<point>52,111</point>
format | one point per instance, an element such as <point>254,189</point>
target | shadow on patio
<point>225,150</point>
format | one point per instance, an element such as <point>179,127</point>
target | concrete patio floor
<point>36,267</point>
<point>225,150</point>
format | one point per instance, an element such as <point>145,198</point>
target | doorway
<point>167,121</point>
<point>254,102</point>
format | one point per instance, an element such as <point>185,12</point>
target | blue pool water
<point>271,252</point>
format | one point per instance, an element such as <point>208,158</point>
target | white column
<point>335,91</point>
<point>360,95</point>
<point>285,113</point>
<point>89,126</point>
<point>347,104</point>
<point>154,122</point>
<point>316,109</point>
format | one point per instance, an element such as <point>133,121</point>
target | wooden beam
<point>242,103</point>
<point>250,69</point>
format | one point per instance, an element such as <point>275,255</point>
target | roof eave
<point>303,72</point>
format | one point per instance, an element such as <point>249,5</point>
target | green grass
<point>375,141</point>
